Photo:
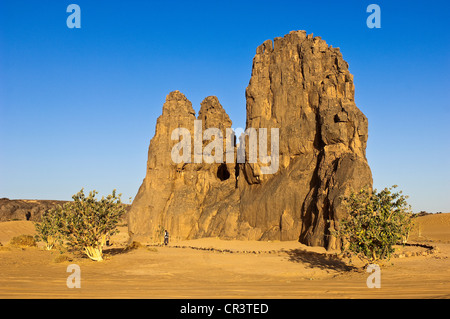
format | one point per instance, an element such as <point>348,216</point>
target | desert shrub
<point>49,229</point>
<point>84,224</point>
<point>23,241</point>
<point>134,245</point>
<point>61,258</point>
<point>376,222</point>
<point>421,213</point>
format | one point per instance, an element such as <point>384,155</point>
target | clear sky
<point>78,107</point>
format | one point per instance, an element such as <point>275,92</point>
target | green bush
<point>48,230</point>
<point>376,222</point>
<point>83,224</point>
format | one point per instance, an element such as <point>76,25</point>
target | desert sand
<point>214,268</point>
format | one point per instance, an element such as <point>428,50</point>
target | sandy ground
<point>213,268</point>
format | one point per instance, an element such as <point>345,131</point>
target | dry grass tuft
<point>134,245</point>
<point>61,258</point>
<point>23,241</point>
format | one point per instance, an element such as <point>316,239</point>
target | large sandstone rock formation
<point>302,87</point>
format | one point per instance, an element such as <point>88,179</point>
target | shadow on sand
<point>318,260</point>
<point>116,251</point>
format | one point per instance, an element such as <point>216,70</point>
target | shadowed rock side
<point>299,85</point>
<point>303,87</point>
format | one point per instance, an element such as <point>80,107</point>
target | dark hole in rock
<point>222,172</point>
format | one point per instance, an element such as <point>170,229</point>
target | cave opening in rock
<point>222,172</point>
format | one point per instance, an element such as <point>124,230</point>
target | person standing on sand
<point>166,237</point>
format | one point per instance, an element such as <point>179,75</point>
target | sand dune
<point>11,229</point>
<point>433,227</point>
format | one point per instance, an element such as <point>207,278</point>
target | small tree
<point>49,229</point>
<point>85,223</point>
<point>375,223</point>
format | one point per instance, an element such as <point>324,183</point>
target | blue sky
<point>78,107</point>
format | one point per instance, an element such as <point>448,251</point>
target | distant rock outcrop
<point>22,209</point>
<point>300,86</point>
<point>32,210</point>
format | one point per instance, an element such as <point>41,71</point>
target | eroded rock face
<point>299,85</point>
<point>302,86</point>
<point>182,198</point>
